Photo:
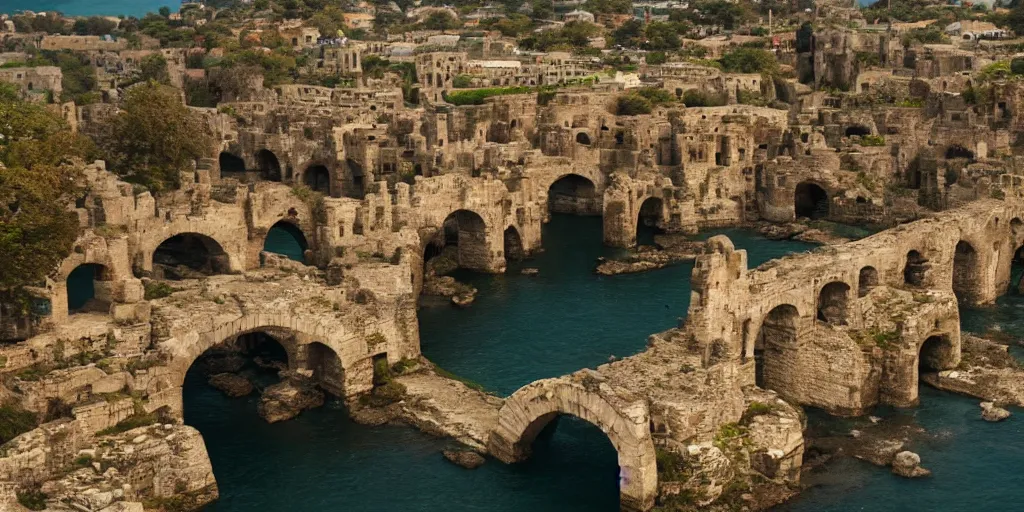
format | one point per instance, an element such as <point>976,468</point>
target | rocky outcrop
<point>232,385</point>
<point>670,249</point>
<point>908,464</point>
<point>992,413</point>
<point>286,399</point>
<point>149,463</point>
<point>465,458</point>
<point>461,294</point>
<point>987,372</point>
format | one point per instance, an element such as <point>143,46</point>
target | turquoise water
<point>137,8</point>
<point>521,328</point>
<point>284,238</point>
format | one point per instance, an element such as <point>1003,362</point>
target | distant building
<point>579,15</point>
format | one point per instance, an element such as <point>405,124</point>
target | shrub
<point>14,421</point>
<point>477,96</point>
<point>655,95</point>
<point>695,98</point>
<point>132,422</point>
<point>157,290</point>
<point>32,499</point>
<point>872,140</point>
<point>462,81</point>
<point>755,409</point>
<point>632,105</point>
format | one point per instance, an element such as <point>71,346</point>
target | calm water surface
<point>137,8</point>
<point>523,328</point>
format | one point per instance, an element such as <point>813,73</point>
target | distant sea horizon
<point>137,8</point>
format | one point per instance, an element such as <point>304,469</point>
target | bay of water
<point>522,328</point>
<point>137,8</point>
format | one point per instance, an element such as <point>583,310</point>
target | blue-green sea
<point>137,8</point>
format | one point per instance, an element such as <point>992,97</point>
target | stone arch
<point>810,200</point>
<point>966,272</point>
<point>467,230</point>
<point>513,245</point>
<point>832,303</point>
<point>356,183</point>
<point>651,215</point>
<point>937,352</point>
<point>915,269</point>
<point>626,423</point>
<point>777,337</point>
<point>195,252</point>
<point>583,139</point>
<point>575,194</point>
<point>866,280</point>
<point>318,178</point>
<point>89,288</point>
<point>269,165</point>
<point>326,366</point>
<point>231,166</point>
<point>287,239</point>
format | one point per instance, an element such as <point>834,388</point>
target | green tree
<point>153,67</point>
<point>609,6</point>
<point>662,36</point>
<point>165,11</point>
<point>543,9</point>
<point>632,105</point>
<point>38,179</point>
<point>655,58</point>
<point>154,137</point>
<point>749,60</point>
<point>440,20</point>
<point>93,26</point>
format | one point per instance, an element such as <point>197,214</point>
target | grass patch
<point>404,365</point>
<point>32,499</point>
<point>134,421</point>
<point>158,290</point>
<point>754,410</point>
<point>477,96</point>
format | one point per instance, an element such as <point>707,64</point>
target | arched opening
<point>777,335</point>
<point>574,194</point>
<point>357,178</point>
<point>286,239</point>
<point>327,370</point>
<point>513,245</point>
<point>270,167</point>
<point>915,269</point>
<point>583,138</point>
<point>832,303</point>
<point>650,220</point>
<point>189,256</point>
<point>966,272</point>
<point>86,289</point>
<point>867,280</point>
<point>231,166</point>
<point>937,353</point>
<point>958,151</point>
<point>1017,271</point>
<point>858,130</point>
<point>318,178</point>
<point>810,201</point>
<point>467,231</point>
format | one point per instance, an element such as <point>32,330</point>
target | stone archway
<point>88,289</point>
<point>966,272</point>
<point>513,245</point>
<point>650,218</point>
<point>938,352</point>
<point>467,230</point>
<point>574,194</point>
<point>915,269</point>
<point>286,239</point>
<point>318,178</point>
<point>624,420</point>
<point>811,201</point>
<point>867,279</point>
<point>269,165</point>
<point>832,303</point>
<point>231,166</point>
<point>583,139</point>
<point>775,343</point>
<point>186,254</point>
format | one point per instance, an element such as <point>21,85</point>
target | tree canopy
<point>40,160</point>
<point>154,137</point>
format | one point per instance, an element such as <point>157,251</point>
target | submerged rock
<point>908,464</point>
<point>530,271</point>
<point>993,413</point>
<point>465,458</point>
<point>231,384</point>
<point>285,400</point>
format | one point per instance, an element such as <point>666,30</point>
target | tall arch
<point>574,194</point>
<point>937,352</point>
<point>86,290</point>
<point>286,239</point>
<point>966,272</point>
<point>269,165</point>
<point>915,269</point>
<point>467,230</point>
<point>650,217</point>
<point>183,254</point>
<point>810,200</point>
<point>866,280</point>
<point>626,422</point>
<point>957,151</point>
<point>356,185</point>
<point>776,338</point>
<point>832,303</point>
<point>318,178</point>
<point>513,245</point>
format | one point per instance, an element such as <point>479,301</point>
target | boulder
<point>908,464</point>
<point>991,412</point>
<point>285,400</point>
<point>232,385</point>
<point>530,271</point>
<point>465,458</point>
<point>221,362</point>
